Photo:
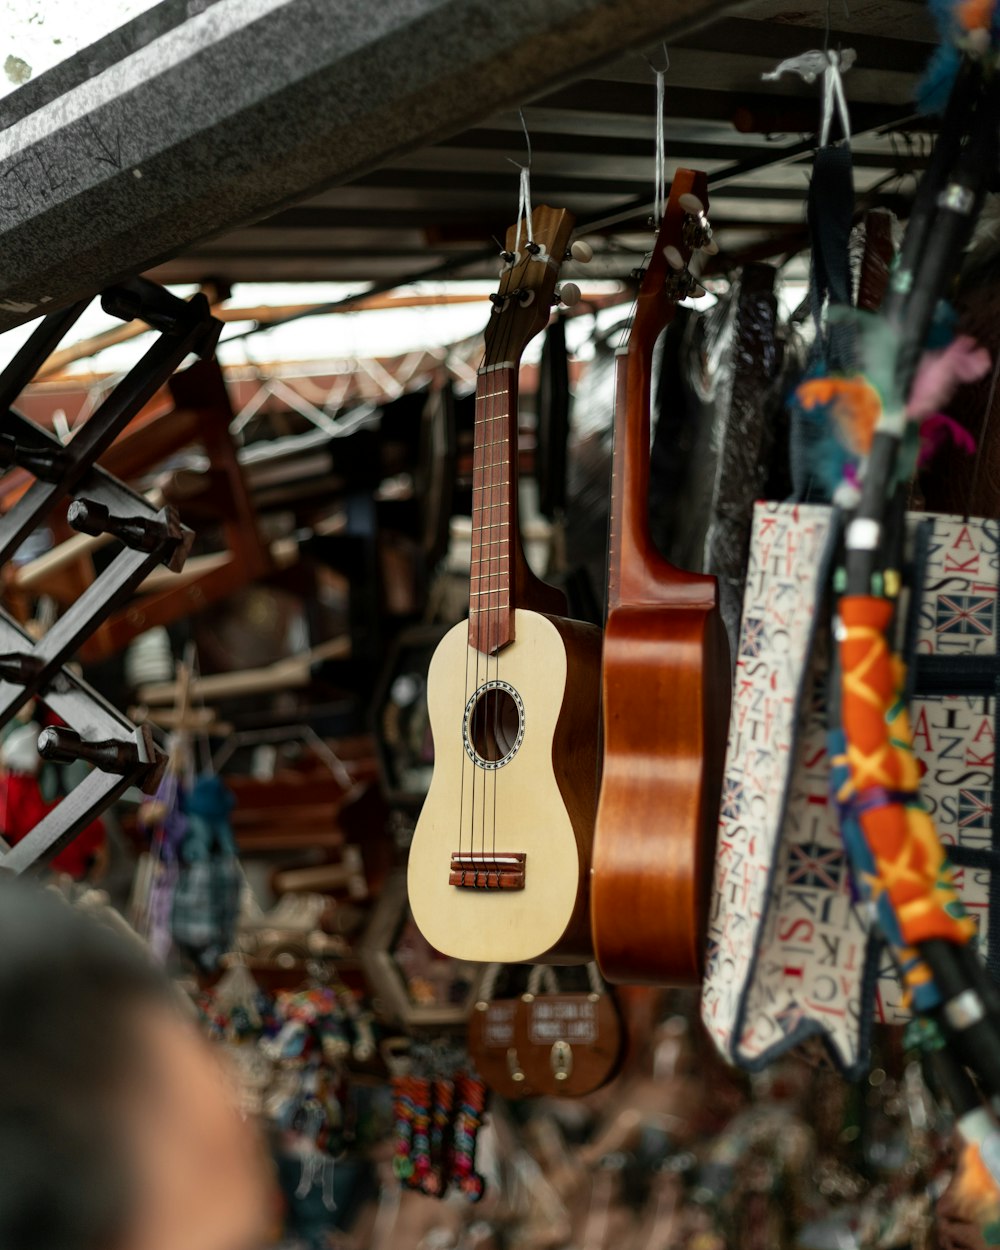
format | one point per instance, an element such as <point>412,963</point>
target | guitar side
<point>538,805</point>
<point>666,679</point>
<point>666,693</point>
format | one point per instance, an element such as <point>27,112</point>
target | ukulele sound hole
<point>494,724</point>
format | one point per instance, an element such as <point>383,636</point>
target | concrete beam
<point>249,105</point>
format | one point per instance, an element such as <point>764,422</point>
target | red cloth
<point>22,807</point>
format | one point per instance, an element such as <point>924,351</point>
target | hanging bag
<point>570,1043</point>
<point>206,897</point>
<point>790,951</point>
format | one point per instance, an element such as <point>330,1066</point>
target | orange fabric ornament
<point>854,404</point>
<point>911,864</point>
<point>975,14</point>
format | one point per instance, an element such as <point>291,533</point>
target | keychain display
<point>438,1110</point>
<point>290,1051</point>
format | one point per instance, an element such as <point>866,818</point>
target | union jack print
<point>975,809</point>
<point>816,866</point>
<point>732,798</point>
<point>965,614</point>
<point>754,638</point>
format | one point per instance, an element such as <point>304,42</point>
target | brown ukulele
<point>666,675</point>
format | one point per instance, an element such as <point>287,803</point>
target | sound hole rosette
<point>493,728</point>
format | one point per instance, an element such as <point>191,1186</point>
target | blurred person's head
<point>118,1128</point>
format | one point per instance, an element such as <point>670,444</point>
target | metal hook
<point>666,60</point>
<point>527,143</point>
<point>527,137</point>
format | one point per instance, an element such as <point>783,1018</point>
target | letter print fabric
<point>789,952</point>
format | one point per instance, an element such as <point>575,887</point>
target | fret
<point>501,590</point>
<point>494,486</point>
<point>493,464</point>
<point>491,394</point>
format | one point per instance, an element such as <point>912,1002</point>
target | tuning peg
<point>138,532</point>
<point>673,257</point>
<point>48,464</point>
<point>568,295</point>
<point>581,251</point>
<point>697,230</point>
<point>63,745</point>
<point>711,248</point>
<point>682,284</point>
<point>691,204</point>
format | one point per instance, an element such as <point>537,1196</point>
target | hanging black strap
<point>831,217</point>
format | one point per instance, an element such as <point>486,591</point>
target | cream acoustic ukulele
<point>666,674</point>
<point>500,859</point>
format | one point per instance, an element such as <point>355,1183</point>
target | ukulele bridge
<point>487,872</point>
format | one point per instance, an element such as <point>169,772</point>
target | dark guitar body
<point>666,689</point>
<point>666,712</point>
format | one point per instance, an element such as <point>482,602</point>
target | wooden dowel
<point>285,674</point>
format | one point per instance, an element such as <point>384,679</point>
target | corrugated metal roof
<point>592,151</point>
<point>154,143</point>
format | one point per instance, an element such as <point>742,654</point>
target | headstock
<point>684,230</point>
<point>522,305</point>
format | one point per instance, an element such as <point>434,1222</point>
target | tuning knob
<point>711,248</point>
<point>581,251</point>
<point>673,257</point>
<point>697,230</point>
<point>568,295</point>
<point>682,284</point>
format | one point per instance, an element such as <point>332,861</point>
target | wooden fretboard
<point>494,510</point>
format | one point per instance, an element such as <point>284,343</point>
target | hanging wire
<point>660,170</point>
<point>524,210</point>
<point>833,96</point>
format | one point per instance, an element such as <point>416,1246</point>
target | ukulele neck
<point>494,510</point>
<point>630,547</point>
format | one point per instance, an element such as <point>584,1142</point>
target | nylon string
<point>509,446</point>
<point>487,418</point>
